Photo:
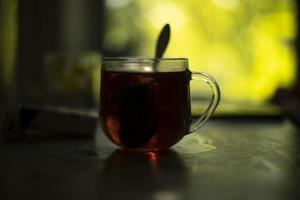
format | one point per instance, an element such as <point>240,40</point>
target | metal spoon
<point>143,118</point>
<point>162,41</point>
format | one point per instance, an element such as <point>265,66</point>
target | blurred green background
<point>246,45</point>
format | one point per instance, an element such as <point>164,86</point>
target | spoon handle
<point>162,41</point>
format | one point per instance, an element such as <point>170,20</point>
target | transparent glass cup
<point>145,102</point>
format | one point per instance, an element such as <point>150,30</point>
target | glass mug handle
<point>215,99</point>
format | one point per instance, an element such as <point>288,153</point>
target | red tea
<point>145,110</point>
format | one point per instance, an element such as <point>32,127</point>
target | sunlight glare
<point>226,4</point>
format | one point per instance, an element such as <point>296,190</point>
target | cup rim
<point>144,59</point>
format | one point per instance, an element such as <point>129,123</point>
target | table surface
<point>226,159</point>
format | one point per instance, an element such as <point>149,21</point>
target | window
<point>246,45</point>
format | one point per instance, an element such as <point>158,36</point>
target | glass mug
<point>145,103</point>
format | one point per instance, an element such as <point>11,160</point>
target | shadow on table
<point>154,175</point>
